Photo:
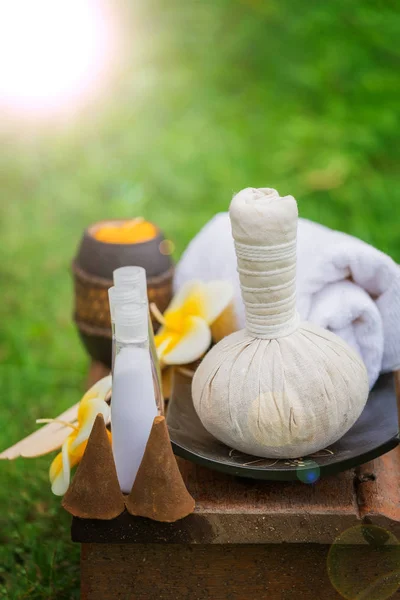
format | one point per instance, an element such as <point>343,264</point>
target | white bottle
<point>130,280</point>
<point>133,403</point>
<point>118,296</point>
<point>131,277</point>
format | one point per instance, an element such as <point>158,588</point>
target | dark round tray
<point>375,433</point>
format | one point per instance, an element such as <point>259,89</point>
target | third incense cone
<point>159,492</point>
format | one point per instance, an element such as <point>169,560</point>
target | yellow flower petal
<point>92,404</point>
<point>191,345</point>
<point>185,333</point>
<point>56,468</point>
<point>90,411</point>
<point>60,471</point>
<point>189,290</point>
<point>162,347</point>
<point>199,299</point>
<point>98,390</point>
<point>165,341</point>
<point>60,468</point>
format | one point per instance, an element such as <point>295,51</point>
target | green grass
<point>214,96</point>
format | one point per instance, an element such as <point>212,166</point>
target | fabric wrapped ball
<point>280,388</point>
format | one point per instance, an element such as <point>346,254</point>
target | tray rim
<point>277,474</point>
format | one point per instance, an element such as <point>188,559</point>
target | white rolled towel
<point>343,284</point>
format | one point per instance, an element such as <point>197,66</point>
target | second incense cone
<point>159,492</point>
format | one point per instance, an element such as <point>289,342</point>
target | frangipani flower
<point>92,404</point>
<point>185,334</point>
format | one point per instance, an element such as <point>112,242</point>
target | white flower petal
<point>101,388</point>
<point>60,483</point>
<point>94,407</point>
<point>193,344</point>
<point>217,296</point>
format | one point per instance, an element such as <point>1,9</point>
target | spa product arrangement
<point>280,388</point>
<point>266,382</point>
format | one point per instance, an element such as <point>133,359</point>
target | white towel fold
<point>343,284</point>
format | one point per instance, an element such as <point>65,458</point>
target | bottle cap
<point>118,296</point>
<point>131,322</point>
<point>131,277</point>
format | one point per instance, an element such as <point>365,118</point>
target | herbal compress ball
<point>280,388</point>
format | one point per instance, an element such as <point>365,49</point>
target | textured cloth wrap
<point>267,271</point>
<point>280,388</point>
<point>343,284</point>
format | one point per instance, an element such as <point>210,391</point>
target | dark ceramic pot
<point>93,274</point>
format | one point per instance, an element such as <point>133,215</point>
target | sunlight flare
<point>53,53</point>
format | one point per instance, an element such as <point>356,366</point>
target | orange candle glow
<point>134,231</point>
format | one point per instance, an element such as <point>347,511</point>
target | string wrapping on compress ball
<point>276,316</point>
<point>266,260</point>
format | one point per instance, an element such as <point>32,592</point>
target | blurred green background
<point>211,97</point>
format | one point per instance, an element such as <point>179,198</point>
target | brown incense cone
<point>94,492</point>
<point>159,492</point>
